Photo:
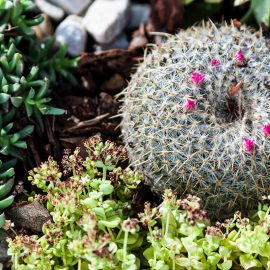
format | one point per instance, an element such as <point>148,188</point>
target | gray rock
<point>72,6</point>
<point>105,19</point>
<point>71,32</point>
<point>3,247</point>
<point>30,216</point>
<point>56,13</point>
<point>121,42</point>
<point>139,14</point>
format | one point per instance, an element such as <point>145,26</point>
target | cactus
<point>196,116</point>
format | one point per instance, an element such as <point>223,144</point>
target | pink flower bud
<point>249,145</point>
<point>266,130</point>
<point>190,104</point>
<point>215,62</point>
<point>240,56</point>
<point>197,77</point>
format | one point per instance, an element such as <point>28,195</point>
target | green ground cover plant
<point>94,225</point>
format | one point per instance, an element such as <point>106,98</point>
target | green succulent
<point>14,17</point>
<point>196,116</point>
<point>7,179</point>
<point>94,225</point>
<point>28,69</point>
<point>91,228</point>
<point>52,63</point>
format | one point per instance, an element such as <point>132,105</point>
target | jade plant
<point>94,226</point>
<point>196,116</point>
<point>28,68</point>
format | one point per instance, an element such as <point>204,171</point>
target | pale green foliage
<point>90,226</point>
<point>202,151</point>
<point>94,225</point>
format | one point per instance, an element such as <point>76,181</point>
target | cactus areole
<point>196,116</point>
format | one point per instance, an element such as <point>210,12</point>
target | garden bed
<point>90,102</point>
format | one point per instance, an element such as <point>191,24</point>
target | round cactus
<point>196,116</point>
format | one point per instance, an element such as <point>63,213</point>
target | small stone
<point>71,32</point>
<point>72,6</point>
<point>30,216</point>
<point>120,42</point>
<point>139,14</point>
<point>45,29</point>
<point>105,19</point>
<point>56,13</point>
<point>114,84</point>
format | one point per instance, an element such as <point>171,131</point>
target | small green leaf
<point>106,189</point>
<point>225,265</point>
<point>247,261</point>
<point>32,74</point>
<point>43,89</point>
<point>110,224</point>
<point>120,254</point>
<point>26,131</point>
<point>21,144</point>
<point>8,127</point>
<point>47,110</point>
<point>29,109</point>
<point>16,101</point>
<point>4,98</point>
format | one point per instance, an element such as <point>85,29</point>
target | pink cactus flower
<point>249,145</point>
<point>197,78</point>
<point>190,104</point>
<point>215,63</point>
<point>240,56</point>
<point>266,130</point>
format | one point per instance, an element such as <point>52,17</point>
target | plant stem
<point>73,170</point>
<point>79,264</point>
<point>125,246</point>
<point>16,261</point>
<point>174,263</point>
<point>104,172</point>
<point>111,233</point>
<point>167,223</point>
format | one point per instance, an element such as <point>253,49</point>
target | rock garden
<point>134,134</point>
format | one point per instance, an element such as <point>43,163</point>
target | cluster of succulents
<point>196,116</point>
<point>28,69</point>
<point>94,225</point>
